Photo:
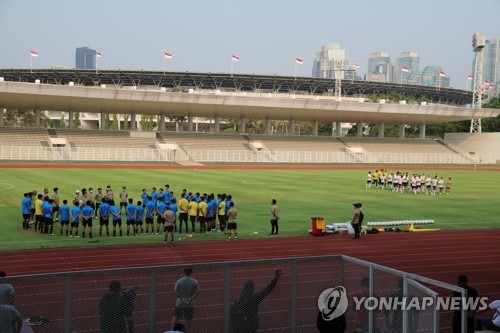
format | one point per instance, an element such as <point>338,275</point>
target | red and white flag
<point>98,54</point>
<point>235,58</point>
<point>405,69</point>
<point>299,61</point>
<point>470,77</point>
<point>34,53</point>
<point>356,66</point>
<point>167,55</point>
<point>442,74</point>
<point>487,82</point>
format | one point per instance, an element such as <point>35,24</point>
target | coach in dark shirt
<point>114,309</point>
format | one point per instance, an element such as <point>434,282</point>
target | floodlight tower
<point>478,43</point>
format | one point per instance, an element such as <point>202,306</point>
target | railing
<point>71,301</point>
<point>39,153</point>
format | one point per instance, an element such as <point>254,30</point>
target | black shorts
<point>117,222</point>
<point>74,224</point>
<point>123,204</point>
<point>169,228</point>
<point>149,220</point>
<point>32,210</point>
<point>103,221</point>
<point>140,222</point>
<point>192,218</point>
<point>222,219</point>
<point>87,222</point>
<point>129,222</point>
<point>232,226</point>
<point>55,209</point>
<point>202,219</point>
<point>66,222</point>
<point>48,221</point>
<point>97,205</point>
<point>187,313</point>
<point>160,220</point>
<point>38,218</point>
<point>26,216</point>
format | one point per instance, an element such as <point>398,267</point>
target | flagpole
<point>164,61</point>
<point>232,66</point>
<point>295,69</point>
<point>31,63</point>
<point>96,57</point>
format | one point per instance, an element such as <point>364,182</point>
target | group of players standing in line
<point>161,205</point>
<point>402,182</point>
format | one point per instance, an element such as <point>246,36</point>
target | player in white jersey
<point>427,184</point>
<point>434,185</point>
<point>382,180</point>
<point>440,185</point>
<point>414,184</point>
<point>369,180</point>
<point>390,179</point>
<point>396,182</point>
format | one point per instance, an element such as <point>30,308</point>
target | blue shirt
<point>87,212</point>
<point>115,210</point>
<point>154,196</point>
<point>130,212</point>
<point>173,208</point>
<point>47,209</point>
<point>64,212</point>
<point>162,207</point>
<point>150,207</point>
<point>139,212</point>
<point>75,213</point>
<point>168,196</point>
<point>173,197</point>
<point>144,198</point>
<point>104,209</point>
<point>26,205</point>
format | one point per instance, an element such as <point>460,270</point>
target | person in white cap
<point>77,197</point>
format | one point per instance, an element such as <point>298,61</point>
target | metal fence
<point>75,301</point>
<point>39,153</point>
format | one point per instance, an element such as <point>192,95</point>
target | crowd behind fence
<point>97,154</point>
<point>71,301</point>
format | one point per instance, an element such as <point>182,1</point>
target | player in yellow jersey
<point>202,214</point>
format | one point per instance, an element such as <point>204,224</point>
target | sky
<point>267,35</point>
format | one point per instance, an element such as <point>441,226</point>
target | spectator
<point>490,324</point>
<point>274,218</point>
<point>10,320</point>
<point>457,314</point>
<point>245,310</point>
<point>356,220</point>
<point>115,309</point>
<point>186,289</point>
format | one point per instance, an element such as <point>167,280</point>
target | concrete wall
<point>479,143</point>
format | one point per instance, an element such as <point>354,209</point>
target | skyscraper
<point>491,65</point>
<point>85,58</point>
<point>431,77</point>
<point>410,61</point>
<point>379,67</point>
<point>328,61</point>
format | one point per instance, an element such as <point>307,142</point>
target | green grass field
<point>301,194</point>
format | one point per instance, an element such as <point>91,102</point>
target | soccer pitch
<point>301,194</point>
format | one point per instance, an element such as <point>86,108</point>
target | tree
<point>76,121</point>
<point>107,121</point>
<point>24,118</point>
<point>62,123</point>
<point>125,122</point>
<point>116,123</point>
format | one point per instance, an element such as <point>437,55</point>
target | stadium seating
<point>23,136</point>
<point>396,145</point>
<point>108,138</point>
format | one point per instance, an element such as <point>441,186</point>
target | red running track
<point>439,255</point>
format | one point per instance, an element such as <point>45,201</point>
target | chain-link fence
<point>278,295</point>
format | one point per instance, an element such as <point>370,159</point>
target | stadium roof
<point>236,82</point>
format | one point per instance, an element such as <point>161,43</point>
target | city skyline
<point>267,37</point>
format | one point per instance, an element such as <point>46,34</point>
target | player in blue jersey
<point>87,214</point>
<point>74,218</point>
<point>168,194</point>
<point>144,197</point>
<point>104,217</point>
<point>130,214</point>
<point>139,219</point>
<point>150,212</point>
<point>64,216</point>
<point>154,194</point>
<point>117,218</point>
<point>48,217</point>
<point>161,207</point>
<point>26,210</point>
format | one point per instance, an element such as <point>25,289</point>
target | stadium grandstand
<point>216,97</point>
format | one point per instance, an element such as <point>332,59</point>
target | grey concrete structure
<point>2,117</point>
<point>71,119</point>
<point>401,131</point>
<point>381,129</point>
<point>161,122</point>
<point>243,124</point>
<point>190,123</point>
<point>422,131</point>
<point>359,132</point>
<point>315,125</point>
<point>133,122</point>
<point>338,129</point>
<point>102,120</point>
<point>291,127</point>
<point>37,118</point>
<point>217,125</point>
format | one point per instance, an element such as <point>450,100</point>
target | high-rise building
<point>410,61</point>
<point>431,77</point>
<point>491,65</point>
<point>328,61</point>
<point>379,67</point>
<point>85,58</point>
